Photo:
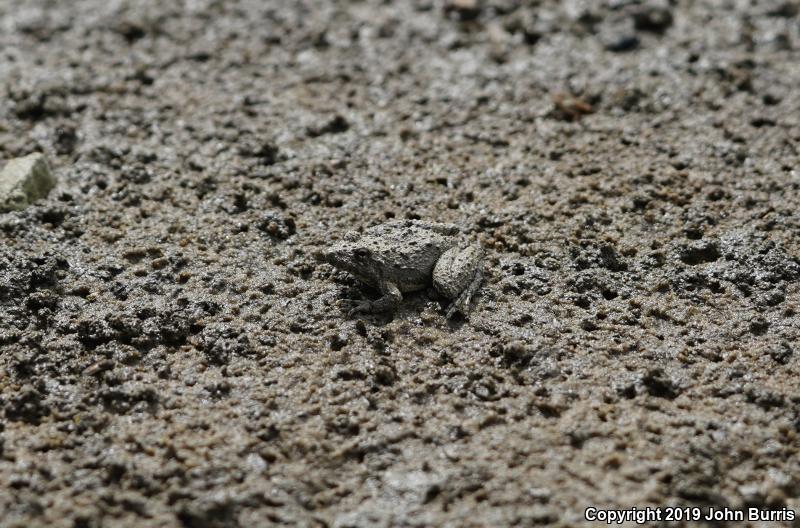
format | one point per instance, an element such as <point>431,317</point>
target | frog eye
<point>362,253</point>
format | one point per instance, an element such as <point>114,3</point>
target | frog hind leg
<point>457,275</point>
<point>461,303</point>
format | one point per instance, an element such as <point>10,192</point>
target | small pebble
<point>23,181</point>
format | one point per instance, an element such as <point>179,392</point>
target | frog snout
<point>326,255</point>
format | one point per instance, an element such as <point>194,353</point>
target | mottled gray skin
<point>408,255</point>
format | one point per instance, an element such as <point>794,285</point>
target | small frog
<point>407,255</point>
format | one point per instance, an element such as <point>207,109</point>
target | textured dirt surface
<point>173,355</point>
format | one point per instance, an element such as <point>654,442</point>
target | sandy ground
<point>173,355</point>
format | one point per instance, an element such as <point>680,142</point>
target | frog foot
<point>354,306</point>
<point>461,304</point>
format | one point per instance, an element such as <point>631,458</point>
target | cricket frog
<point>407,255</point>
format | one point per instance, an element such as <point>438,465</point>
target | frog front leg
<point>457,275</point>
<point>388,302</point>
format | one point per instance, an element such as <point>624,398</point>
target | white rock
<point>24,180</point>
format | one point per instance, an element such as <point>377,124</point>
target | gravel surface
<point>172,354</point>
